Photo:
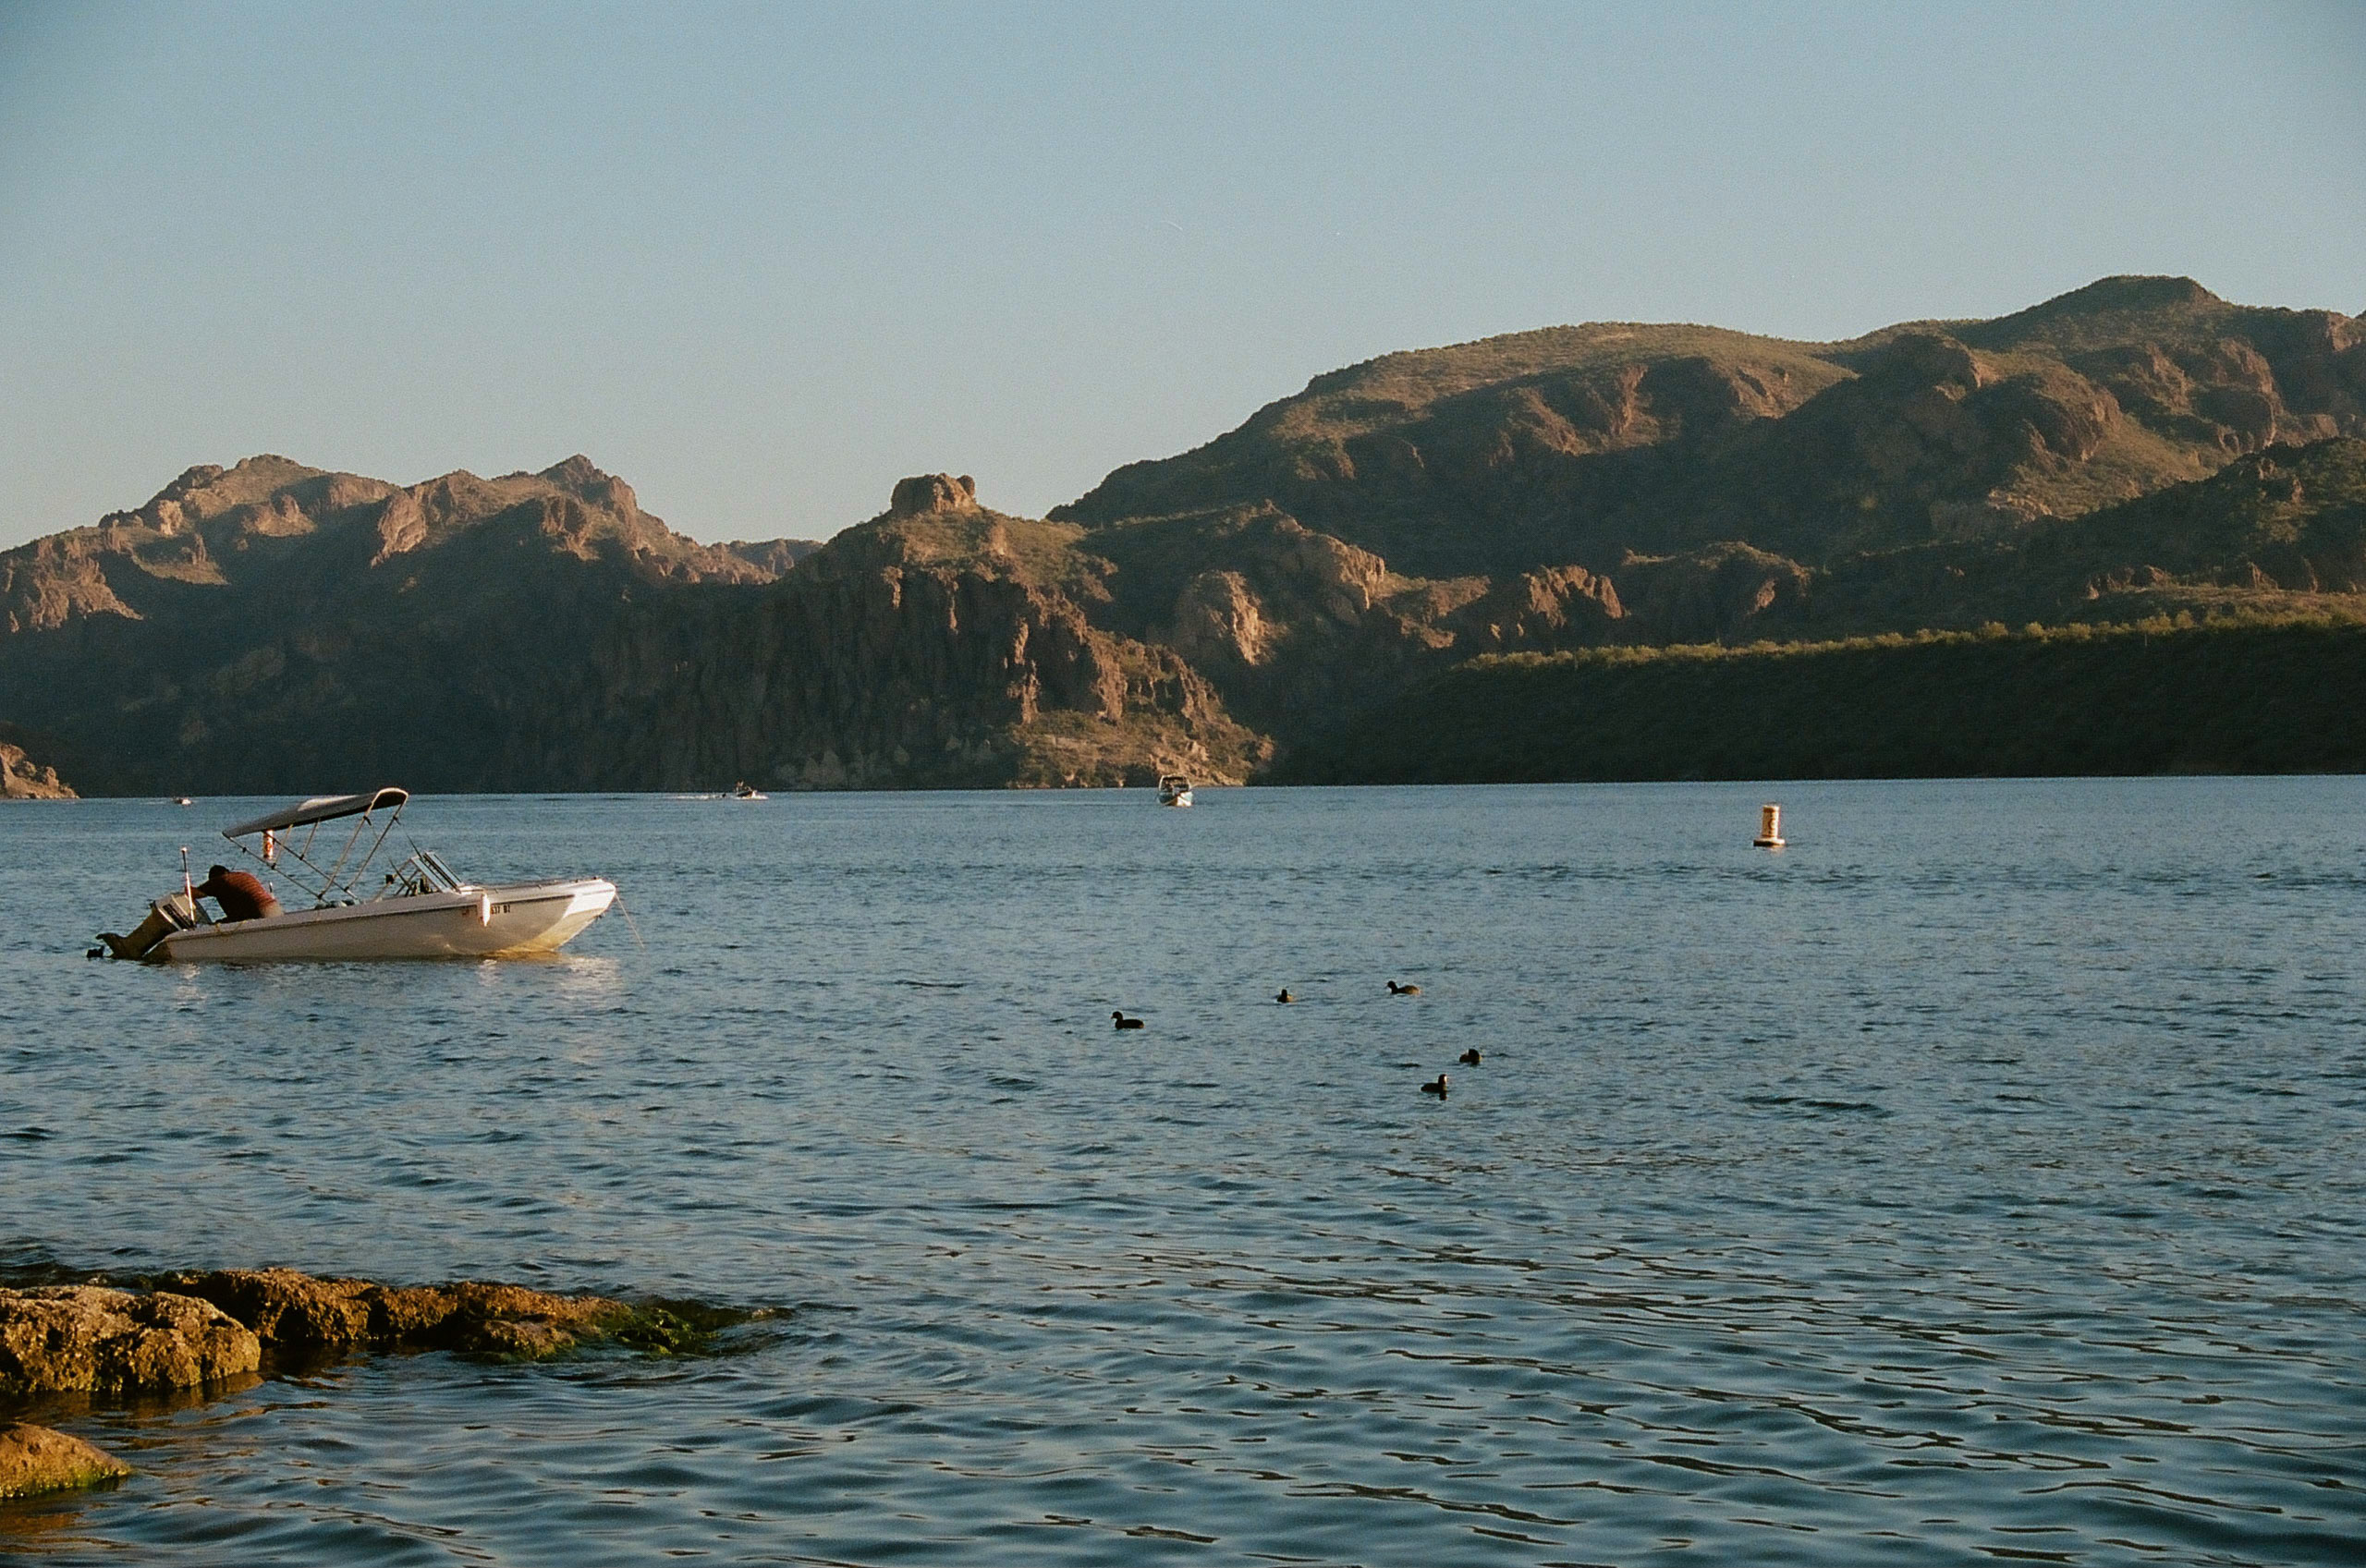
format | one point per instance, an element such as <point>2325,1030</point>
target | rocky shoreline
<point>202,1332</point>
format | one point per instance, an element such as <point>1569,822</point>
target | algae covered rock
<point>495,1319</point>
<point>288,1310</point>
<point>66,1339</point>
<point>294,1312</point>
<point>34,1459</point>
<point>203,1330</point>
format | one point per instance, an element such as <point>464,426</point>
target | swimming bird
<point>1437,1088</point>
<point>1284,995</point>
<point>1469,1058</point>
<point>1122,1022</point>
<point>1396,989</point>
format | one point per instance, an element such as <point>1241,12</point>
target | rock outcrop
<point>294,1312</point>
<point>21,778</point>
<point>932,492</point>
<point>1542,611</point>
<point>206,1329</point>
<point>1724,592</point>
<point>35,1459</point>
<point>91,1339</point>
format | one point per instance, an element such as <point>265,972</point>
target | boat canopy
<point>319,809</point>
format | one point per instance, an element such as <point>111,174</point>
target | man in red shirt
<point>241,894</point>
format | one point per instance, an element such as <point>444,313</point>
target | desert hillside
<point>2135,449</point>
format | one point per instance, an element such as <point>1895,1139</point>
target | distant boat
<point>420,910</point>
<point>743,790</point>
<point>183,800</point>
<point>1174,789</point>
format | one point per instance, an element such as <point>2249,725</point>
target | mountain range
<point>2134,449</point>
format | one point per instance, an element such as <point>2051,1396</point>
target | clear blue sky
<point>764,259</point>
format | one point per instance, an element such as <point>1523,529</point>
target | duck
<point>1469,1058</point>
<point>1436,1087</point>
<point>1122,1022</point>
<point>1284,995</point>
<point>1396,989</point>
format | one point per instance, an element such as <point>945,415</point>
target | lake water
<point>1980,1177</point>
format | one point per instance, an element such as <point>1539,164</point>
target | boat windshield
<point>423,873</point>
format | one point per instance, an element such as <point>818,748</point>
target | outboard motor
<point>174,912</point>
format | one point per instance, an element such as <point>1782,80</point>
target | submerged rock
<point>34,1459</point>
<point>69,1338</point>
<point>296,1312</point>
<point>495,1319</point>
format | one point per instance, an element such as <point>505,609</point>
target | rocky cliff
<point>22,778</point>
<point>938,644</point>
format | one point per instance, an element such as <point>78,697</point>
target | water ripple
<point>1906,1197</point>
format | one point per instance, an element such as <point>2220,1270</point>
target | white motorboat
<point>420,910</point>
<point>1174,789</point>
<point>743,790</point>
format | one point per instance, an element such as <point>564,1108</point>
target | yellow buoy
<point>1770,827</point>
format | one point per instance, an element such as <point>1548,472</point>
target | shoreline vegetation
<point>189,1335</point>
<point>2166,694</point>
<point>2232,692</point>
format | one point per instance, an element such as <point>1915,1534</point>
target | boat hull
<point>515,921</point>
